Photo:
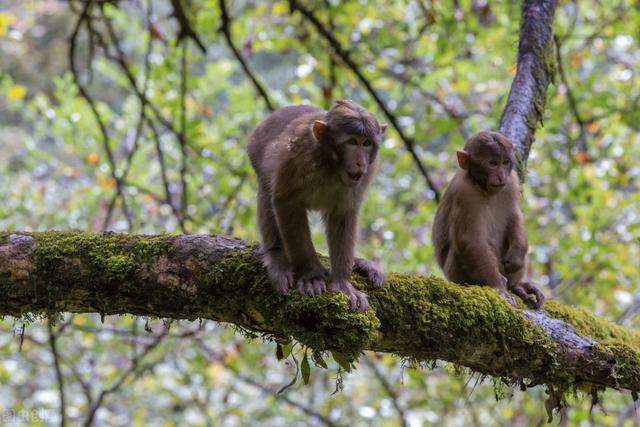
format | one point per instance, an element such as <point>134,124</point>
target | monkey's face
<point>491,169</point>
<point>489,158</point>
<point>357,153</point>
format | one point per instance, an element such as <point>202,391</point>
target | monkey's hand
<point>370,270</point>
<point>358,300</point>
<point>312,281</point>
<point>524,289</point>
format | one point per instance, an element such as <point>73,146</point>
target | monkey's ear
<point>383,128</point>
<point>463,159</point>
<point>318,130</point>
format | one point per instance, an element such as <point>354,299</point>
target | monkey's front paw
<point>525,289</point>
<point>371,270</point>
<point>358,300</point>
<point>312,284</point>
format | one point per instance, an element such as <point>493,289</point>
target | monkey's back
<point>269,132</point>
<point>440,231</point>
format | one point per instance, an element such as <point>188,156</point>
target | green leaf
<point>342,360</point>
<point>305,369</point>
<point>317,357</point>
<point>286,349</point>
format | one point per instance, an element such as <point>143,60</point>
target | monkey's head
<point>488,157</point>
<point>352,135</point>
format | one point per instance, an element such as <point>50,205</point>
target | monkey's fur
<point>309,159</point>
<point>478,233</point>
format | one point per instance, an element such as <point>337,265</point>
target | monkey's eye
<point>493,162</point>
<point>352,141</point>
<point>506,162</point>
<point>366,143</point>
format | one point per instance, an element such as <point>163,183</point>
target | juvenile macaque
<point>478,233</point>
<point>310,159</point>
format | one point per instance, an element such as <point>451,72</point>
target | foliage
<point>443,68</point>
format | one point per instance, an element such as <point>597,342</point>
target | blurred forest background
<point>120,124</point>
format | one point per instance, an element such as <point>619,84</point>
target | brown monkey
<point>478,233</point>
<point>310,159</point>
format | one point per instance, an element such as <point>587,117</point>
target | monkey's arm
<point>291,216</point>
<point>514,258</point>
<point>515,261</point>
<point>342,229</point>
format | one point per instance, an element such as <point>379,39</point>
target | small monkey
<point>310,159</point>
<point>478,233</point>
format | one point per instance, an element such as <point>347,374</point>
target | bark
<point>535,70</point>
<point>221,278</point>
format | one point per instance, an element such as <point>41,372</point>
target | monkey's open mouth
<point>355,176</point>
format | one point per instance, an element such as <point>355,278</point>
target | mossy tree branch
<point>220,278</point>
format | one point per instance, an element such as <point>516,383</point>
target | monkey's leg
<point>341,237</point>
<point>273,255</point>
<point>294,228</point>
<point>371,270</point>
<point>478,263</point>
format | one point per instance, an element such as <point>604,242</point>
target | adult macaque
<point>478,233</point>
<point>310,159</point>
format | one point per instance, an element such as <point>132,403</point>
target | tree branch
<point>220,278</point>
<point>186,29</point>
<point>535,70</point>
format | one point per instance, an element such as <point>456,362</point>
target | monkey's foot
<point>371,270</point>
<point>525,289</point>
<point>358,300</point>
<point>312,284</point>
<point>282,279</point>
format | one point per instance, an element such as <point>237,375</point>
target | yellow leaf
<point>106,183</point>
<point>6,20</point>
<point>93,158</point>
<point>16,93</point>
<point>279,9</point>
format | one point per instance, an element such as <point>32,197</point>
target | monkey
<point>308,159</point>
<point>478,233</point>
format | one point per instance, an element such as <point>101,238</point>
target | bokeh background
<point>143,132</point>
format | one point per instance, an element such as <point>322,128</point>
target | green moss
<point>321,323</point>
<point>589,325</point>
<point>624,360</point>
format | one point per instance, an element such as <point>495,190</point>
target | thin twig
<point>184,199</point>
<point>225,27</point>
<point>84,16</point>
<point>345,56</point>
<point>133,368</point>
<point>219,357</point>
<point>186,29</point>
<point>59,378</point>
<point>573,104</point>
<point>382,379</point>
